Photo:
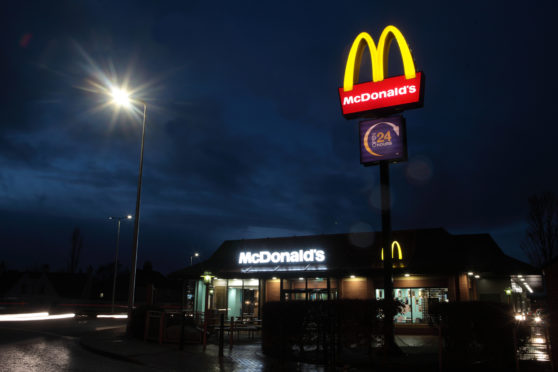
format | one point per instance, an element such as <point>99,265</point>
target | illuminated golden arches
<point>399,252</point>
<point>378,56</point>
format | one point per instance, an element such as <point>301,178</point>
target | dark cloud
<point>244,134</point>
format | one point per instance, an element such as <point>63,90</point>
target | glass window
<point>311,289</point>
<point>200,297</point>
<point>243,298</point>
<point>416,302</point>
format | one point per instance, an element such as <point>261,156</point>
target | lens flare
<point>120,97</point>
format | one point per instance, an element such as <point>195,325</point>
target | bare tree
<point>541,240</point>
<point>77,246</point>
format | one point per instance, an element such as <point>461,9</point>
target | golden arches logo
<point>399,252</point>
<point>378,56</point>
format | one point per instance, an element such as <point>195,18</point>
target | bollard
<point>231,332</point>
<point>441,348</point>
<point>182,315</point>
<point>161,327</point>
<point>205,331</point>
<point>221,335</point>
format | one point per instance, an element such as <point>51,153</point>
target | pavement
<point>419,351</point>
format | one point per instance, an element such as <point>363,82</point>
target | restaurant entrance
<point>309,289</point>
<point>238,298</point>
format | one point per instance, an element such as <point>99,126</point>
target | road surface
<point>53,345</point>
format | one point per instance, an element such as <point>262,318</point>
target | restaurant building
<point>430,266</point>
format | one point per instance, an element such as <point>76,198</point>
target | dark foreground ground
<point>100,345</point>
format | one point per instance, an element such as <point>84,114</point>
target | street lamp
<point>122,98</point>
<point>118,219</point>
<point>191,258</point>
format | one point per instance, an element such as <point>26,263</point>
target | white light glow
<point>407,275</point>
<point>120,97</point>
<point>279,268</point>
<point>538,319</point>
<point>470,273</point>
<point>28,315</point>
<point>528,288</point>
<point>32,317</point>
<point>267,257</point>
<point>113,316</point>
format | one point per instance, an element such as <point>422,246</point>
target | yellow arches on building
<point>399,252</point>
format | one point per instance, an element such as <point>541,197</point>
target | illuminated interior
<point>416,303</point>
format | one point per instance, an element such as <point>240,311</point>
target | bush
<point>477,336</point>
<point>320,330</point>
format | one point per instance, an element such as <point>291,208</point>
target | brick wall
<point>272,290</point>
<point>420,282</point>
<point>355,288</point>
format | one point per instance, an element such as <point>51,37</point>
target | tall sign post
<point>382,140</point>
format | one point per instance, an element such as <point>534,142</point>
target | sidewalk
<point>243,357</point>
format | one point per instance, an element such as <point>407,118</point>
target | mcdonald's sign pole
<point>389,313</point>
<point>383,140</point>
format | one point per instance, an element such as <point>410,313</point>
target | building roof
<point>425,251</point>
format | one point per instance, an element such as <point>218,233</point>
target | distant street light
<point>118,219</point>
<point>122,98</point>
<point>191,258</point>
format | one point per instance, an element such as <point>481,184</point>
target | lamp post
<point>207,279</point>
<point>121,97</point>
<point>134,262</point>
<point>196,254</point>
<point>118,219</point>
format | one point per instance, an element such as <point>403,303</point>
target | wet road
<point>54,346</point>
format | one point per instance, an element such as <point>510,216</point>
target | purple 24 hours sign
<point>383,139</point>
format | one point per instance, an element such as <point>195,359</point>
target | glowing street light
<point>118,219</point>
<point>122,98</point>
<point>196,254</point>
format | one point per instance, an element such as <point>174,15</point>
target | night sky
<point>245,137</point>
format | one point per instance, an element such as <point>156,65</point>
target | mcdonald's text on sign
<point>381,95</point>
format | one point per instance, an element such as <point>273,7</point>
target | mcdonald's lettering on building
<point>381,95</point>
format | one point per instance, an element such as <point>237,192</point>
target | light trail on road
<point>33,317</point>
